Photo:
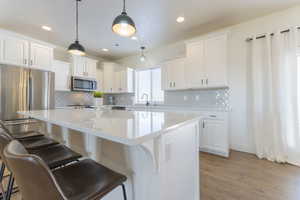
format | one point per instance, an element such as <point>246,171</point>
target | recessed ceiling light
<point>104,49</point>
<point>134,38</point>
<point>180,19</point>
<point>46,28</point>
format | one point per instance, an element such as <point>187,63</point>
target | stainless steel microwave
<point>83,84</point>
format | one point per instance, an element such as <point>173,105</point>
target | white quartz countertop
<point>126,127</point>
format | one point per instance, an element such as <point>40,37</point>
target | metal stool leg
<point>10,187</point>
<point>2,169</point>
<point>124,192</point>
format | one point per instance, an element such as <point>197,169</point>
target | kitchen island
<point>156,150</point>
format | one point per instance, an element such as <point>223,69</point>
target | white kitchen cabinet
<point>41,56</point>
<point>117,79</point>
<point>22,51</point>
<point>215,55</point>
<point>206,65</point>
<point>91,68</point>
<point>84,67</point>
<point>194,68</point>
<point>14,51</point>
<point>62,75</point>
<point>214,136</point>
<point>173,75</point>
<point>124,81</point>
<point>78,65</point>
<point>109,77</point>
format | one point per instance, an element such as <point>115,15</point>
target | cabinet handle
<point>202,82</point>
<point>25,61</point>
<point>207,81</point>
<point>170,84</point>
<point>203,124</point>
<point>174,84</point>
<point>31,62</point>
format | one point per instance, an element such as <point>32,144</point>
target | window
<point>148,85</point>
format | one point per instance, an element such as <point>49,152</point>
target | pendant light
<point>143,57</point>
<point>76,48</point>
<point>123,25</point>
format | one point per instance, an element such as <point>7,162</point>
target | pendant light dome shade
<point>76,48</point>
<point>123,25</point>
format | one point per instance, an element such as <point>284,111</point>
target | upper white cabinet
<point>62,75</point>
<point>215,60</point>
<point>14,51</point>
<point>109,77</point>
<point>124,80</point>
<point>173,75</point>
<point>78,65</point>
<point>83,66</point>
<point>206,64</point>
<point>91,68</point>
<point>117,79</point>
<point>41,56</point>
<point>194,68</point>
<point>20,50</point>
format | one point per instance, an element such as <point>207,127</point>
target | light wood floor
<point>244,177</point>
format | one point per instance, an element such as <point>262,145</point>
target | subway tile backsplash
<point>215,99</point>
<point>65,98</point>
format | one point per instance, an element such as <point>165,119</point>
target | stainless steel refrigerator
<point>23,89</point>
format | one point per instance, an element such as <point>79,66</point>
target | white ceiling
<point>155,20</point>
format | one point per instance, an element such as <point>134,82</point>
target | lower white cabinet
<point>214,135</point>
<point>62,75</point>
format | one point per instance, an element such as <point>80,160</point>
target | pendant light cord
<point>77,19</point>
<point>124,6</point>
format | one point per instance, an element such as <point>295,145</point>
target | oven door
<point>83,84</point>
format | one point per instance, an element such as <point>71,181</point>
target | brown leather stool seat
<point>24,135</point>
<point>23,128</point>
<point>87,180</point>
<point>56,155</point>
<point>35,143</point>
<point>83,180</point>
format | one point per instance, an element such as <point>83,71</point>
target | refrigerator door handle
<point>30,93</point>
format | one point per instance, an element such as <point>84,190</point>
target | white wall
<point>240,138</point>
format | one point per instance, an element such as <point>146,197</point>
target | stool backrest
<point>5,139</point>
<point>34,178</point>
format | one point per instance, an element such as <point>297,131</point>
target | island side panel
<point>164,168</point>
<point>180,169</point>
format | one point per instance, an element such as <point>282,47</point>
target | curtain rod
<point>263,36</point>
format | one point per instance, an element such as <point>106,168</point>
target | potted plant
<point>98,97</point>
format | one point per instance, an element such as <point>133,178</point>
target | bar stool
<point>54,156</point>
<point>83,180</point>
<point>23,128</point>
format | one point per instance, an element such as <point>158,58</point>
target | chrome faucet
<point>147,102</point>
